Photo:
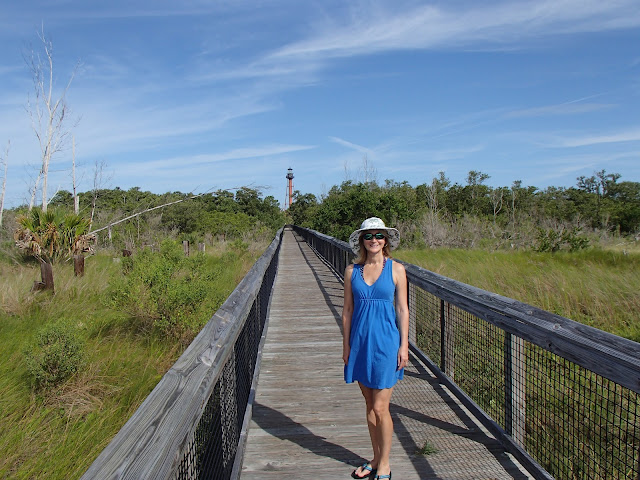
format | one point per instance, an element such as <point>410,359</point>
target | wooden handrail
<point>150,445</point>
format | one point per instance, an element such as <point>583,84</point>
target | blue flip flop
<point>383,476</point>
<point>365,466</point>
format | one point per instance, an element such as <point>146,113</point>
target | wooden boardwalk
<point>308,423</point>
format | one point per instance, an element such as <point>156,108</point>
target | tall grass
<point>57,433</point>
<point>596,287</point>
<point>578,424</point>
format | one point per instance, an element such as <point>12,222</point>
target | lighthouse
<point>289,188</point>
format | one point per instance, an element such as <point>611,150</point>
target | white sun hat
<point>373,223</point>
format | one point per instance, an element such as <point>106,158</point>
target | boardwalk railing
<point>562,397</point>
<point>190,425</point>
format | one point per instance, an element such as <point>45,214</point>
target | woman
<point>375,333</point>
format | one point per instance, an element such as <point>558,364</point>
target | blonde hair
<point>362,253</point>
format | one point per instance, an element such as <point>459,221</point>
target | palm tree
<point>53,235</point>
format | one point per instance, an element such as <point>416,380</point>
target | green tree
<point>183,216</point>
<point>345,207</point>
<point>478,191</point>
<point>302,208</point>
<point>248,200</point>
<point>62,198</point>
<point>622,204</point>
<point>458,200</point>
<point>397,201</point>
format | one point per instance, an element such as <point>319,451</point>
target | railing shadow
<point>283,427</point>
<point>469,428</point>
<point>334,298</point>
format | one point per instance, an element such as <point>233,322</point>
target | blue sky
<point>198,95</point>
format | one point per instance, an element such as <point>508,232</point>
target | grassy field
<point>600,288</point>
<point>57,433</point>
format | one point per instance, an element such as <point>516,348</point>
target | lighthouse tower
<point>289,188</point>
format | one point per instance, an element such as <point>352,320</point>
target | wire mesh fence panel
<point>204,452</point>
<point>475,360</point>
<point>425,317</point>
<point>580,424</point>
<point>246,349</point>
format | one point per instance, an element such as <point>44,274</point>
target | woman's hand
<point>403,357</point>
<point>345,353</point>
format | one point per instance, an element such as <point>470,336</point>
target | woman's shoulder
<point>398,268</point>
<point>348,270</point>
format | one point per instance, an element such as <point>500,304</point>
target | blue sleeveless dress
<point>375,338</point>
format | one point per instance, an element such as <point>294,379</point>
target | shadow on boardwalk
<point>308,423</point>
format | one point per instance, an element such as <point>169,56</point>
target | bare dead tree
<point>76,199</point>
<point>108,227</point>
<point>98,178</point>
<point>48,113</point>
<point>496,195</point>
<point>347,172</point>
<point>515,189</point>
<point>369,172</point>
<point>4,163</point>
<point>432,197</point>
<point>34,189</point>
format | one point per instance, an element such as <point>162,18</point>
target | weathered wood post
<point>413,304</point>
<point>201,247</point>
<point>78,265</point>
<point>185,247</point>
<point>46,273</point>
<point>515,387</point>
<point>447,338</point>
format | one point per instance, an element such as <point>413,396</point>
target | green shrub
<point>239,246</point>
<point>552,240</point>
<point>55,355</point>
<point>168,292</point>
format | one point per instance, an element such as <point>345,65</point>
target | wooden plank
<point>308,422</point>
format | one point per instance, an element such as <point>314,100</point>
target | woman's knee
<point>380,408</point>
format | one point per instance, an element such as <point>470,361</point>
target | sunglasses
<point>369,236</point>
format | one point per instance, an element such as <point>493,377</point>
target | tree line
<point>241,215</point>
<point>442,213</point>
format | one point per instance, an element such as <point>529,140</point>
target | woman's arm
<point>402,312</point>
<point>347,312</point>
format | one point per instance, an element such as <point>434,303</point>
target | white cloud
<point>231,155</point>
<point>561,109</point>
<point>371,28</point>
<point>353,146</point>
<point>630,135</point>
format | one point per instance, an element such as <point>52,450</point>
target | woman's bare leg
<point>380,426</point>
<point>367,393</point>
<point>383,428</point>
